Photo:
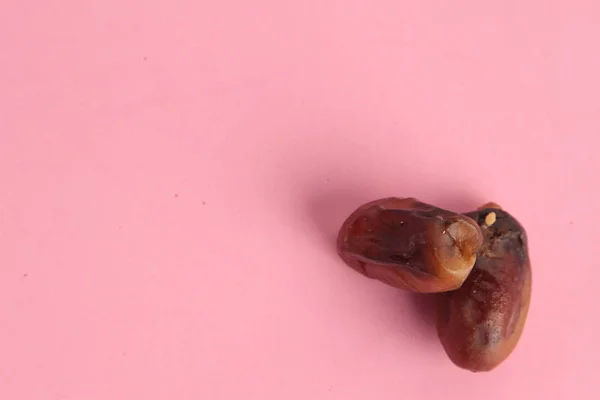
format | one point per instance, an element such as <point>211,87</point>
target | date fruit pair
<point>477,263</point>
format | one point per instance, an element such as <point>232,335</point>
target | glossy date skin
<point>410,245</point>
<point>480,324</point>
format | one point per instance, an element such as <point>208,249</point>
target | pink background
<point>173,175</point>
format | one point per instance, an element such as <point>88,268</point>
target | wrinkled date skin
<point>410,245</point>
<point>480,324</point>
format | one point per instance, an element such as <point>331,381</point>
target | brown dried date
<point>480,324</point>
<point>410,245</point>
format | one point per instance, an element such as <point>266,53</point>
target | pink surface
<point>173,174</point>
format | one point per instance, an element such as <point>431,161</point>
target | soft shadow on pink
<point>327,209</point>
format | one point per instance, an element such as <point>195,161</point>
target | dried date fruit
<point>410,245</point>
<point>480,324</point>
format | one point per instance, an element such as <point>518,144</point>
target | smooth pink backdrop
<point>172,175</point>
